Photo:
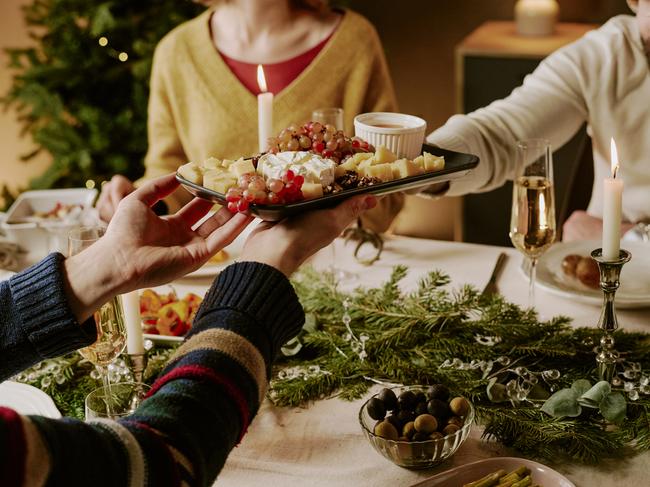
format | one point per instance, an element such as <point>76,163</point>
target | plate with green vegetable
<point>499,472</point>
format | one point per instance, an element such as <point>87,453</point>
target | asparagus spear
<point>489,480</point>
<point>525,482</point>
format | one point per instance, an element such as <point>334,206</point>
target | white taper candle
<point>612,206</point>
<point>134,336</point>
<point>264,111</point>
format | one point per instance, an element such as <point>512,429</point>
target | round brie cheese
<point>314,168</point>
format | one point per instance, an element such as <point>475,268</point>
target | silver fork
<point>491,287</point>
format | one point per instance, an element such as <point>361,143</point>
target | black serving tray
<point>457,165</point>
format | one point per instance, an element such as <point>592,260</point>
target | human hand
<point>154,250</point>
<point>141,249</point>
<point>582,226</point>
<point>287,244</point>
<point>112,193</point>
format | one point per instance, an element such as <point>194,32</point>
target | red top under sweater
<point>278,75</point>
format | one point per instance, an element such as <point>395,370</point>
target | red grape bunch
<point>321,139</point>
<point>252,189</point>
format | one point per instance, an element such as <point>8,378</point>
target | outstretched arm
<point>205,398</point>
<point>550,104</point>
<point>47,308</point>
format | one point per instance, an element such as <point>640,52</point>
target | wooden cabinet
<point>490,63</point>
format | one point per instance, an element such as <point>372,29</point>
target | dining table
<point>322,444</point>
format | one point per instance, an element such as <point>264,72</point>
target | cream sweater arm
<point>550,104</point>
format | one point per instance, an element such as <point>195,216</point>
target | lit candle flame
<point>614,158</point>
<point>261,79</point>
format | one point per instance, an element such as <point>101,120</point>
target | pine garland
<point>409,335</point>
<point>404,338</point>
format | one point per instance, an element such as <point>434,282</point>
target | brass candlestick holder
<point>610,273</point>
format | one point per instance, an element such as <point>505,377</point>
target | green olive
<point>456,420</point>
<point>459,406</point>
<point>436,435</point>
<point>386,430</point>
<point>425,423</point>
<point>409,430</point>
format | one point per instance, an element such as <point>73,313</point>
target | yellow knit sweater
<point>199,109</point>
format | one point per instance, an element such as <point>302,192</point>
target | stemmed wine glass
<point>333,116</point>
<point>329,116</point>
<point>532,221</point>
<point>109,319</point>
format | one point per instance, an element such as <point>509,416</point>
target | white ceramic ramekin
<point>402,134</point>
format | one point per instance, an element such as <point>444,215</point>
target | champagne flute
<point>109,319</point>
<point>532,221</point>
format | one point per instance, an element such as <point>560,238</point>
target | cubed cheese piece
<point>241,167</point>
<point>419,161</point>
<point>433,163</point>
<point>383,155</point>
<point>359,157</point>
<point>366,163</point>
<point>211,163</point>
<point>191,172</point>
<point>349,165</point>
<point>311,190</point>
<point>219,180</point>
<point>227,163</point>
<point>381,171</point>
<point>403,168</point>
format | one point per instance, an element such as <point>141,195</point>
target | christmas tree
<point>82,91</point>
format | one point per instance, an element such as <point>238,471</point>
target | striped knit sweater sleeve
<point>197,410</point>
<point>35,320</point>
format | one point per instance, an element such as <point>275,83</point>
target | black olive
<point>405,416</point>
<point>438,408</point>
<point>389,398</point>
<point>438,391</point>
<point>406,400</point>
<point>395,421</point>
<point>421,408</point>
<point>376,409</point>
<point>420,397</point>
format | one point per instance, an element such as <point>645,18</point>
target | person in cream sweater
<point>602,79</point>
<point>203,99</point>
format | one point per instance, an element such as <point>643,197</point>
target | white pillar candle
<point>536,17</point>
<point>264,111</point>
<point>134,336</point>
<point>612,206</point>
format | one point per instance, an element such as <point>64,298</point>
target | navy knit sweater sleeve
<point>196,412</point>
<point>35,318</point>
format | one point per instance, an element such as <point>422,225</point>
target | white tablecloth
<point>322,445</point>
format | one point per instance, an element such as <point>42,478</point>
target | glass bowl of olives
<point>416,426</point>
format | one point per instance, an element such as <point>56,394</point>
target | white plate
<point>635,277</point>
<point>456,477</point>
<point>26,399</point>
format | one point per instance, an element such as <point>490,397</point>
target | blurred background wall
<point>419,37</point>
